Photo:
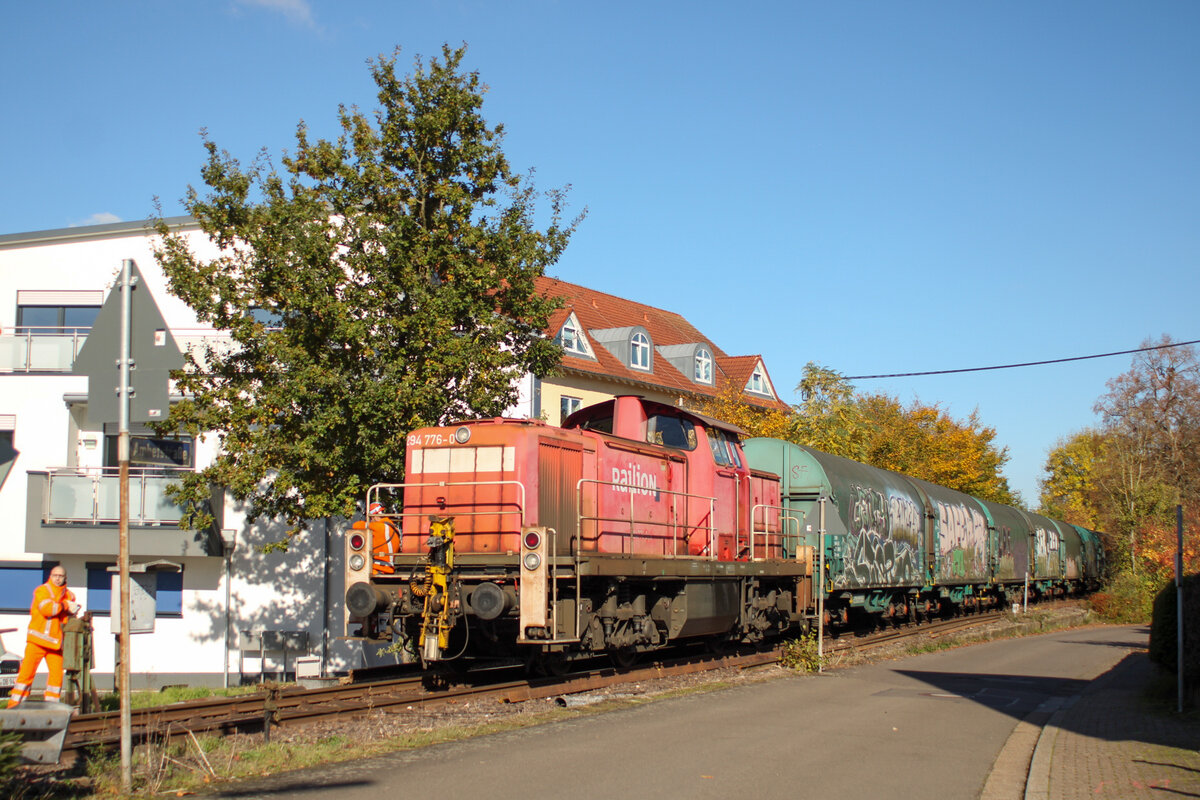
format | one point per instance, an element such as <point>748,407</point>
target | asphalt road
<point>923,726</point>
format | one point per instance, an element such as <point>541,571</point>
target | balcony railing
<point>33,349</point>
<point>92,496</point>
<point>41,349</point>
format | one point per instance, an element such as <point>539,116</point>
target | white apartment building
<point>224,610</point>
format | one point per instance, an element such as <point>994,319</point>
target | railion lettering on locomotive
<point>633,479</point>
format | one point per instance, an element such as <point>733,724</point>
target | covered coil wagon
<point>897,546</point>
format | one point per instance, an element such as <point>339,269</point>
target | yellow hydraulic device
<point>437,619</point>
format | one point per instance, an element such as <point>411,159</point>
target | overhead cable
<point>1026,364</point>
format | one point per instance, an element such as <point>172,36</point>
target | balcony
<point>46,349</point>
<point>78,511</point>
<point>41,349</point>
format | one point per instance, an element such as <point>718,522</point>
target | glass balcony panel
<point>35,350</point>
<point>158,508</point>
<point>51,352</point>
<point>14,351</point>
<point>71,497</point>
<point>108,498</point>
<point>96,498</point>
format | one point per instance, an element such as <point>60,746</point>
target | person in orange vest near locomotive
<point>385,541</point>
<point>53,604</point>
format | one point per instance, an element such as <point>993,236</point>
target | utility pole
<point>1179,601</point>
<point>123,638</point>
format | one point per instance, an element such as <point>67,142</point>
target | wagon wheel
<point>717,646</point>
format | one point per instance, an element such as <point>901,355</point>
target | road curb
<point>1009,776</point>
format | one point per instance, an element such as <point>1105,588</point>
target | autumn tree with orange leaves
<point>1126,476</point>
<point>918,440</point>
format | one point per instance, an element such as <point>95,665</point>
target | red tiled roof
<point>599,311</point>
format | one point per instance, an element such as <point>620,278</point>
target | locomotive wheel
<point>548,665</point>
<point>622,657</point>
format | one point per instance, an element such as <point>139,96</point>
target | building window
<point>639,351</point>
<point>168,593</point>
<point>17,583</point>
<point>56,319</point>
<point>568,406</point>
<point>271,320</point>
<point>571,337</point>
<point>571,340</point>
<point>8,451</point>
<point>758,383</point>
<point>704,366</point>
<point>149,452</point>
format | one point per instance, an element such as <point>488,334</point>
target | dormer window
<point>631,345</point>
<point>704,366</point>
<point>639,351</point>
<point>571,337</point>
<point>758,383</point>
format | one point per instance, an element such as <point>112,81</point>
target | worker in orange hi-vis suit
<point>53,603</point>
<point>385,541</point>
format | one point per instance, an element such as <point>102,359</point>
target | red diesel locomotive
<point>634,525</point>
<point>639,524</point>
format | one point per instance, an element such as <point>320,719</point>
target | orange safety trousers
<point>34,653</point>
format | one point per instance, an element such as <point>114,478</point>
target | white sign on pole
<point>143,602</point>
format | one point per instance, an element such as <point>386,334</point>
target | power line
<point>1026,364</point>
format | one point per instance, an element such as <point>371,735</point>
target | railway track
<point>292,706</point>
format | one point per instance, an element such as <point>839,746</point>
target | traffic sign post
<point>146,354</point>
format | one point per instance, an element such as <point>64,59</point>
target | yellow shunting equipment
<point>437,618</point>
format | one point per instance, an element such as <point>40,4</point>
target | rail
<point>406,695</point>
<point>672,525</point>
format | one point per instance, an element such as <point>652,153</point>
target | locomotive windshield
<point>670,431</point>
<point>724,448</point>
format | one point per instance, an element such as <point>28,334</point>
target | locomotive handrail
<point>785,516</point>
<point>520,501</point>
<point>673,524</point>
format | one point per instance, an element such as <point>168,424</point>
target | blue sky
<point>879,187</point>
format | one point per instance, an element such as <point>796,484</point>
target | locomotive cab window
<point>671,432</point>
<point>598,424</point>
<point>724,448</point>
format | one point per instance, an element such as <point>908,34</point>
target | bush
<point>1163,627</point>
<point>1127,599</point>
<point>800,653</point>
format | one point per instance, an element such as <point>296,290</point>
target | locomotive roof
<point>651,407</point>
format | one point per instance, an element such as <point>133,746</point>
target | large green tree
<point>382,281</point>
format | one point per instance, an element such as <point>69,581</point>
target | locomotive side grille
<point>559,469</point>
